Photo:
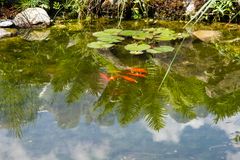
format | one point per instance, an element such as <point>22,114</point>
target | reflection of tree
<point>19,106</point>
<point>184,94</point>
<point>130,102</point>
<point>224,106</point>
<point>73,71</point>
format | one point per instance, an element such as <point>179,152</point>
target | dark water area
<point>55,103</point>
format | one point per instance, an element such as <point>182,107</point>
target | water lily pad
<point>137,47</point>
<point>142,36</point>
<point>111,39</point>
<point>101,34</point>
<point>112,31</point>
<point>165,31</point>
<point>165,37</point>
<point>99,44</point>
<point>160,30</point>
<point>149,29</point>
<point>128,33</point>
<point>161,49</point>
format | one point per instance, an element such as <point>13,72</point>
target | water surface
<point>56,106</point>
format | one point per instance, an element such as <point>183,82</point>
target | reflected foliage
<point>75,89</point>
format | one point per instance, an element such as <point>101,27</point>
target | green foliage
<point>161,49</point>
<point>99,44</point>
<point>140,9</point>
<point>221,8</point>
<point>23,4</point>
<point>218,10</point>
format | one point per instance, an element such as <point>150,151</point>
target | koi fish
<point>136,75</point>
<point>113,77</point>
<point>129,79</point>
<point>140,70</point>
<point>104,77</point>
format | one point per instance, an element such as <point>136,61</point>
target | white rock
<point>6,23</point>
<point>32,16</point>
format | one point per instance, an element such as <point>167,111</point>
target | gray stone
<point>6,23</point>
<point>32,17</point>
<point>207,35</point>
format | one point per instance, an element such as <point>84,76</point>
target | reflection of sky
<point>197,139</point>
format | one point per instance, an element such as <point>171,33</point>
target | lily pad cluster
<point>110,37</point>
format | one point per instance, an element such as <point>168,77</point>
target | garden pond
<point>63,98</point>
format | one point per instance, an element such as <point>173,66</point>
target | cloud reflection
<point>233,156</point>
<point>13,149</point>
<point>173,129</point>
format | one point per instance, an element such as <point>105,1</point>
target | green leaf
<point>111,39</point>
<point>161,49</point>
<point>137,47</point>
<point>165,37</point>
<point>112,31</point>
<point>142,36</point>
<point>99,45</point>
<point>101,34</point>
<point>160,30</point>
<point>128,33</point>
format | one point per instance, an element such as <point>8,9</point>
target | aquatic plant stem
<point>170,65</point>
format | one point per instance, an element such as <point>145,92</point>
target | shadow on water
<point>61,75</point>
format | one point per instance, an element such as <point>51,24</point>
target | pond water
<point>57,104</point>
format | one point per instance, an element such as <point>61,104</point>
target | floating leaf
<point>160,30</point>
<point>142,36</point>
<point>137,47</point>
<point>112,31</point>
<point>161,49</point>
<point>165,37</point>
<point>165,31</point>
<point>128,33</point>
<point>99,44</point>
<point>111,39</point>
<point>149,29</point>
<point>101,34</point>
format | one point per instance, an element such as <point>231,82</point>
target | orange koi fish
<point>136,75</point>
<point>129,79</point>
<point>140,70</point>
<point>113,77</point>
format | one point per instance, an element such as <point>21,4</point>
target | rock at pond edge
<point>32,17</point>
